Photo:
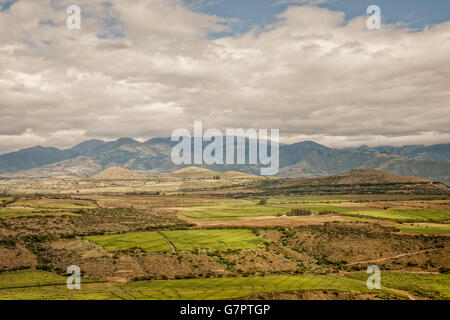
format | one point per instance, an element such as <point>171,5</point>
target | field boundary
<point>167,240</point>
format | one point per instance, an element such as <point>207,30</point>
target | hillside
<point>361,176</point>
<point>439,152</point>
<point>305,159</point>
<point>194,172</point>
<point>361,181</point>
<point>117,174</point>
<point>80,166</point>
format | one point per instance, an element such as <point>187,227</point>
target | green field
<point>282,206</point>
<point>148,241</point>
<point>13,213</point>
<point>237,209</point>
<point>183,240</point>
<point>51,205</point>
<point>404,215</point>
<point>26,278</point>
<point>391,214</point>
<point>42,286</point>
<point>221,239</point>
<point>424,227</point>
<point>432,286</point>
<point>318,208</point>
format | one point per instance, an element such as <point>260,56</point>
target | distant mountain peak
<point>302,159</point>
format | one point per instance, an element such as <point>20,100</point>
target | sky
<point>144,68</point>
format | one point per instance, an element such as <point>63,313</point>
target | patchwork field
<point>218,238</point>
<point>42,285</point>
<point>46,285</point>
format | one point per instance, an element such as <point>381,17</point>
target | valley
<point>200,234</point>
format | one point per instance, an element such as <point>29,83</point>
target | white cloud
<point>310,74</point>
<point>303,2</point>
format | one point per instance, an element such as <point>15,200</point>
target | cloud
<point>310,74</point>
<point>303,2</point>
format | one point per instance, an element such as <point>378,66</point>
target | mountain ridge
<point>301,159</point>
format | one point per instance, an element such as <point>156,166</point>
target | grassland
<point>230,210</point>
<point>15,213</point>
<point>431,286</point>
<point>221,239</point>
<point>29,278</point>
<point>53,204</point>
<point>148,241</point>
<point>281,206</point>
<point>404,215</point>
<point>183,240</point>
<point>45,286</point>
<point>424,227</point>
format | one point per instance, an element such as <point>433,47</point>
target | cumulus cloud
<point>147,68</point>
<point>302,2</point>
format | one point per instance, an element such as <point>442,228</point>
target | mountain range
<point>303,159</point>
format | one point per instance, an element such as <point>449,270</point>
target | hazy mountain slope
<point>40,156</point>
<point>86,148</point>
<point>439,152</point>
<point>31,158</point>
<point>361,181</point>
<point>320,163</point>
<point>80,166</point>
<point>133,155</point>
<point>304,159</point>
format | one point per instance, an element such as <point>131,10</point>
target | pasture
<point>404,215</point>
<point>214,239</point>
<point>44,285</point>
<point>430,286</point>
<point>234,210</point>
<point>17,213</point>
<point>183,240</point>
<point>148,241</point>
<point>424,227</point>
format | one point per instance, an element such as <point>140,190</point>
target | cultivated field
<point>165,237</point>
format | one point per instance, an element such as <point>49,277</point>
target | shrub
<point>299,212</point>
